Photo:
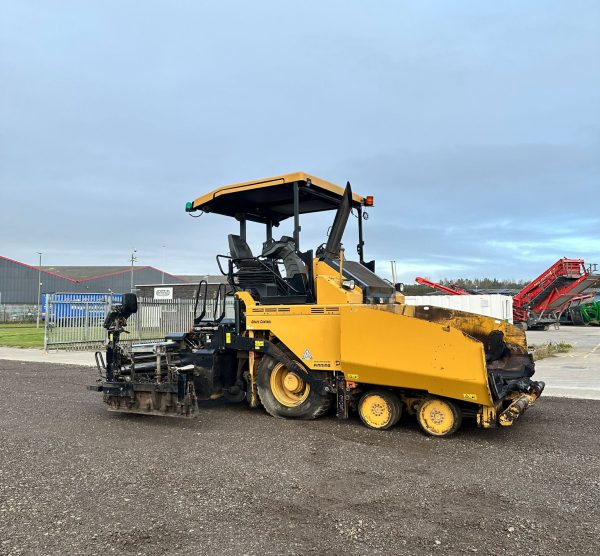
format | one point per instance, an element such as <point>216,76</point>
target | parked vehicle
<point>316,330</point>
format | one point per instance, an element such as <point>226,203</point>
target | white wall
<point>497,306</point>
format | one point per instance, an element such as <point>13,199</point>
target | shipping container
<point>496,306</point>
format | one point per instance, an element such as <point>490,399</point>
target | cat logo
<point>307,355</point>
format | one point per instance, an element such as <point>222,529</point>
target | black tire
<point>379,409</point>
<point>311,406</point>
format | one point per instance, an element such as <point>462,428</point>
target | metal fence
<point>13,312</point>
<point>78,324</point>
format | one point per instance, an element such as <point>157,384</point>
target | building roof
<point>80,273</point>
<point>84,273</point>
<point>210,278</point>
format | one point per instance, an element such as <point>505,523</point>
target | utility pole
<point>394,276</point>
<point>164,248</point>
<point>133,259</point>
<point>39,299</point>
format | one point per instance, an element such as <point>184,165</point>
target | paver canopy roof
<point>272,199</point>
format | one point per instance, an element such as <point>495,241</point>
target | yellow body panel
<point>311,332</point>
<point>478,326</point>
<point>329,287</point>
<point>272,182</point>
<point>386,348</point>
<point>372,345</point>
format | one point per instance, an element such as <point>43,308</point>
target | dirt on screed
<point>76,479</point>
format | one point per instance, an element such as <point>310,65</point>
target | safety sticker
<point>228,338</point>
<point>307,355</point>
<point>470,397</point>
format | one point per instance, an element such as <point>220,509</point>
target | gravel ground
<point>76,479</point>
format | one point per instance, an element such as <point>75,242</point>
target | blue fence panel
<point>73,305</point>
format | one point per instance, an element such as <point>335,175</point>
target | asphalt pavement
<point>77,479</point>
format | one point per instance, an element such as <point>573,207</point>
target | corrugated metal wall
<point>19,283</point>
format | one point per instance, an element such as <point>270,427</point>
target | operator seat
<point>251,274</point>
<point>285,250</point>
<point>242,256</point>
<point>261,277</point>
<point>238,248</point>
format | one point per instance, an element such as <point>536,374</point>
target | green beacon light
<point>189,206</point>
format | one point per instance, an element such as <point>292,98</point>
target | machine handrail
<point>220,298</point>
<point>199,319</point>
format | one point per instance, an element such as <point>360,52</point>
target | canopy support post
<point>269,231</point>
<point>243,227</point>
<point>361,243</point>
<point>297,215</point>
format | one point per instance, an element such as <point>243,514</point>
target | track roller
<point>379,409</point>
<point>439,417</point>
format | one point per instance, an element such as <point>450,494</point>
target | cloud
<point>476,128</point>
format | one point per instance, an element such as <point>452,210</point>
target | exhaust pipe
<point>332,248</point>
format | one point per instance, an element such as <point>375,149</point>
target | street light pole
<point>133,259</point>
<point>39,301</point>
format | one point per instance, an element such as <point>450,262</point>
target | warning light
<point>189,206</point>
<point>369,201</point>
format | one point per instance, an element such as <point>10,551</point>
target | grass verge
<point>550,349</point>
<point>21,335</point>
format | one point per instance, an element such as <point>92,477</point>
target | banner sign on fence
<point>163,293</point>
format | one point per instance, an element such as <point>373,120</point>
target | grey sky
<point>476,126</point>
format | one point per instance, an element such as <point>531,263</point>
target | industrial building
<point>19,281</point>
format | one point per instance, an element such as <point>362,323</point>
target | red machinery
<point>542,301</point>
<point>455,290</point>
